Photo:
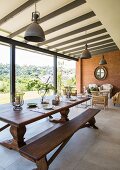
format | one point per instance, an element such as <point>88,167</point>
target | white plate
<point>72,99</point>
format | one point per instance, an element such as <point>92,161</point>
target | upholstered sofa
<point>93,85</point>
<point>106,88</point>
<point>116,98</point>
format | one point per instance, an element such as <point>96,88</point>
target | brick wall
<point>88,66</point>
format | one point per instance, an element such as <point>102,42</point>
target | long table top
<point>30,115</point>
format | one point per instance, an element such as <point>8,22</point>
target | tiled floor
<point>89,149</point>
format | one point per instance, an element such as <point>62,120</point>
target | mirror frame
<point>105,73</point>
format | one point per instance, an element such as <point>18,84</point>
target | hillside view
<point>26,74</point>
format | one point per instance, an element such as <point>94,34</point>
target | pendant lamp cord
<point>35,8</point>
<point>86,39</point>
<point>85,35</point>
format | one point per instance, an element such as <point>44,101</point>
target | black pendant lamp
<point>34,32</point>
<point>86,54</point>
<point>102,61</point>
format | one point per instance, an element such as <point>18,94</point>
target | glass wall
<point>32,69</point>
<point>4,74</point>
<point>66,74</point>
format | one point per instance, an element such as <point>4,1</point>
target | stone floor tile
<point>21,164</point>
<point>88,149</point>
<point>85,165</point>
<point>7,156</point>
<point>105,154</point>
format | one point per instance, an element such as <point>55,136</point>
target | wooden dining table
<point>17,120</point>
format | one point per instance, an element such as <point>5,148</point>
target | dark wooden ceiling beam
<point>17,10</point>
<point>83,42</point>
<point>90,45</point>
<point>59,11</point>
<point>101,51</point>
<point>78,38</point>
<point>94,48</point>
<point>103,47</point>
<point>32,47</point>
<point>71,22</point>
<point>85,28</point>
<point>98,52</point>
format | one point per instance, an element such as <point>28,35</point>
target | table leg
<point>64,117</point>
<point>18,138</point>
<point>92,122</point>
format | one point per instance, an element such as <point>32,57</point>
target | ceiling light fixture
<point>102,61</point>
<point>34,32</point>
<point>85,54</point>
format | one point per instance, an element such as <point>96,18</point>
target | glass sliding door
<point>66,74</point>
<point>4,74</point>
<point>32,67</point>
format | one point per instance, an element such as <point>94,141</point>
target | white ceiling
<point>60,35</point>
<point>108,12</point>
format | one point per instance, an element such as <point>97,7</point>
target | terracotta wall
<point>85,71</point>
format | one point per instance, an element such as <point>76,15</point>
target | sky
<point>29,58</point>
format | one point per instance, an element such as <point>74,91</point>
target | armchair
<point>106,88</point>
<point>116,98</point>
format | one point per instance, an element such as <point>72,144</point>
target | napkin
<point>39,110</point>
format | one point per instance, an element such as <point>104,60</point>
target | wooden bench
<point>37,150</point>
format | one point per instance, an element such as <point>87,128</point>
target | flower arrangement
<point>89,90</point>
<point>43,88</point>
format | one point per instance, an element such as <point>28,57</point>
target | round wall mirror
<point>100,73</point>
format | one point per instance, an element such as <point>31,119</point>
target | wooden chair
<point>71,90</point>
<point>101,100</point>
<point>116,98</point>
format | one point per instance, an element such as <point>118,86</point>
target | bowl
<point>32,104</point>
